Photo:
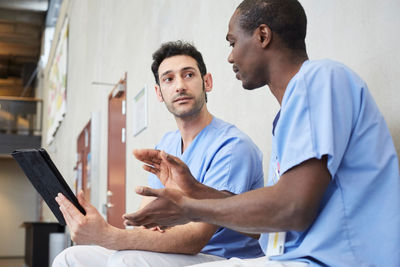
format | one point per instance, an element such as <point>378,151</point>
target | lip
<point>184,98</point>
<point>236,70</point>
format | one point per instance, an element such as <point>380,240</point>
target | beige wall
<point>17,204</point>
<point>109,37</point>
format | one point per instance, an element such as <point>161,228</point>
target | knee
<point>131,258</point>
<point>69,257</point>
<point>61,259</point>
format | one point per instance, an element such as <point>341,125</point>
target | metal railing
<point>20,116</point>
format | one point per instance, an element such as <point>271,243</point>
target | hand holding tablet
<point>46,179</point>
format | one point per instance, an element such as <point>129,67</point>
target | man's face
<point>245,55</point>
<point>181,86</point>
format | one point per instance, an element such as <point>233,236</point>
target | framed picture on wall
<point>140,111</point>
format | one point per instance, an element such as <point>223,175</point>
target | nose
<point>230,58</point>
<point>180,85</point>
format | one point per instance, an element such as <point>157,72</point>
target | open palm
<point>172,172</point>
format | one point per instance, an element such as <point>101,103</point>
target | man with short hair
<point>218,154</point>
<point>334,194</point>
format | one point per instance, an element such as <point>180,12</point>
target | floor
<point>12,262</point>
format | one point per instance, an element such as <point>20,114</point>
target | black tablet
<point>46,178</point>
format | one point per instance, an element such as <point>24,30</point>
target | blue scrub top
<point>328,110</point>
<point>222,157</point>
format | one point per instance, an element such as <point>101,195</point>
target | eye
<point>167,79</point>
<point>187,75</point>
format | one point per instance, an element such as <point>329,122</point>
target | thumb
<point>147,191</point>
<point>82,200</point>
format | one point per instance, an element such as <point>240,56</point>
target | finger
<point>160,229</point>
<point>131,222</point>
<point>152,163</point>
<point>69,207</point>
<point>147,191</point>
<point>163,228</point>
<point>151,169</point>
<point>67,216</point>
<point>151,225</point>
<point>68,219</point>
<point>140,224</point>
<point>61,209</point>
<point>82,200</point>
<point>136,219</point>
<point>150,156</point>
<point>128,223</point>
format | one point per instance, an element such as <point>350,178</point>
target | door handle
<point>108,205</point>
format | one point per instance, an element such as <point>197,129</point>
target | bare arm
<point>291,204</point>
<point>92,229</point>
<point>183,239</point>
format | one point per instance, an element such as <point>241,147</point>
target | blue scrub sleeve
<point>236,167</point>
<point>231,169</point>
<point>316,119</point>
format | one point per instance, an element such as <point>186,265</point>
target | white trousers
<point>257,262</point>
<point>85,256</point>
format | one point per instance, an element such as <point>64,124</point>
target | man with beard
<point>217,153</point>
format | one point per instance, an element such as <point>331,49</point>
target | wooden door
<point>116,155</point>
<point>83,165</point>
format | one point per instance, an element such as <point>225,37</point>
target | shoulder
<point>168,139</point>
<point>228,135</point>
<point>234,162</point>
<point>320,80</point>
<point>324,70</point>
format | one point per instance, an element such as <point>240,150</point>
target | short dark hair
<point>286,18</point>
<point>176,48</point>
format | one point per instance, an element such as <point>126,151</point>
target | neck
<point>189,127</point>
<point>281,71</point>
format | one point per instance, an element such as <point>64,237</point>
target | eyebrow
<point>165,73</point>
<point>188,68</point>
<point>183,69</point>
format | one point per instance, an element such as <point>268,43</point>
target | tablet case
<point>46,179</point>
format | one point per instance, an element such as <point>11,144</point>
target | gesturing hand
<point>172,172</point>
<point>167,210</point>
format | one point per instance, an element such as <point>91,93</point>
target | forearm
<point>184,239</point>
<point>256,211</point>
<point>291,204</point>
<point>205,192</point>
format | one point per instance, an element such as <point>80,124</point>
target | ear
<point>159,93</point>
<point>264,35</point>
<point>208,82</point>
